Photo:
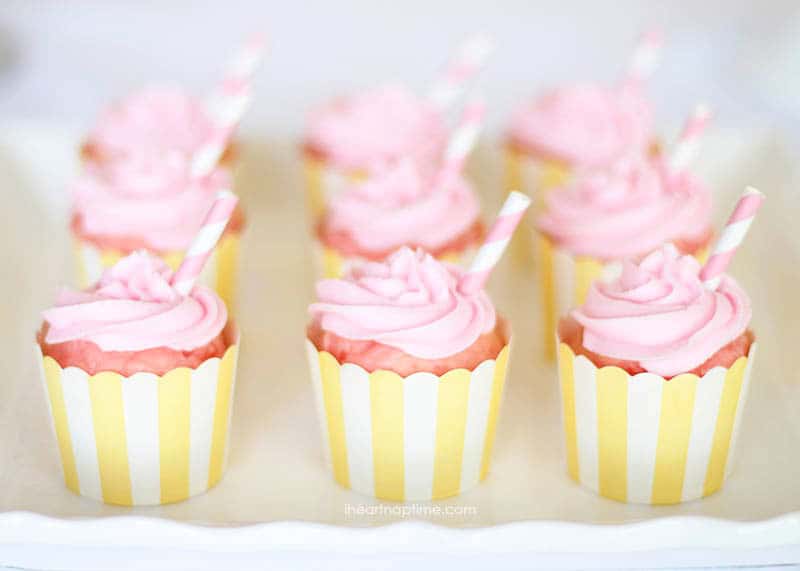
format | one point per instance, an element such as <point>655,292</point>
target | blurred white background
<point>62,60</point>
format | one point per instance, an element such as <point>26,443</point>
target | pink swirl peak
<point>585,125</point>
<point>148,196</point>
<point>410,302</point>
<point>627,210</point>
<point>659,314</point>
<point>133,307</point>
<point>376,127</point>
<point>156,119</point>
<point>400,205</point>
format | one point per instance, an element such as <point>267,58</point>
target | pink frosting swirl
<point>376,127</point>
<point>410,302</point>
<point>585,125</point>
<point>401,206</point>
<point>133,307</point>
<point>155,119</point>
<point>659,314</point>
<point>627,210</point>
<point>149,197</point>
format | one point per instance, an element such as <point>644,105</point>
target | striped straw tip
<point>225,194</point>
<point>753,191</point>
<point>702,111</point>
<point>646,55</point>
<point>517,201</point>
<point>475,109</point>
<point>654,37</point>
<point>257,41</point>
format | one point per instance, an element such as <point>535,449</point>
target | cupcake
<point>605,216</point>
<point>568,129</point>
<point>350,136</point>
<point>154,121</point>
<point>140,383</point>
<point>574,127</point>
<point>150,202</point>
<point>654,371</point>
<point>401,205</point>
<point>408,373</point>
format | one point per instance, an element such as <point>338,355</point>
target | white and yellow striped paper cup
<point>330,263</point>
<point>643,439</point>
<point>323,182</point>
<point>415,438</point>
<point>564,280</point>
<point>220,272</point>
<point>144,439</point>
<point>535,177</point>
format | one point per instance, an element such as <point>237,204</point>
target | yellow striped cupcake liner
<point>535,177</point>
<point>564,281</point>
<point>323,181</point>
<point>332,264</point>
<point>144,439</point>
<point>643,439</point>
<point>417,438</point>
<point>220,272</point>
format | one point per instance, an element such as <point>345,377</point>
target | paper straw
<point>468,60</point>
<point>204,242</point>
<point>688,143</point>
<point>231,96</point>
<point>732,235</point>
<point>495,243</point>
<point>461,142</point>
<point>646,56</point>
<point>247,59</point>
<point>228,105</point>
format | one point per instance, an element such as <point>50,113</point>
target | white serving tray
<point>278,501</point>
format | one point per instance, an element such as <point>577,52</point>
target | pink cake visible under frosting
<point>401,206</point>
<point>405,315</point>
<point>628,210</point>
<point>146,201</point>
<point>584,125</point>
<point>376,127</point>
<point>133,320</point>
<point>154,120</point>
<point>658,317</point>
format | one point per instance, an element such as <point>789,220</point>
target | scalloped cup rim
<point>234,333</point>
<point>577,356</point>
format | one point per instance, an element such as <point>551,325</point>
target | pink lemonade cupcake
<point>156,120</point>
<point>349,137</point>
<point>399,206</point>
<point>408,373</point>
<point>605,216</point>
<point>140,383</point>
<point>587,125</point>
<point>654,371</point>
<point>150,202</point>
<point>572,128</point>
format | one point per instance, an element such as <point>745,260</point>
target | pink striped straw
<point>732,236</point>
<point>228,104</point>
<point>688,143</point>
<point>495,243</point>
<point>646,56</point>
<point>204,242</point>
<point>468,60</point>
<point>461,142</point>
